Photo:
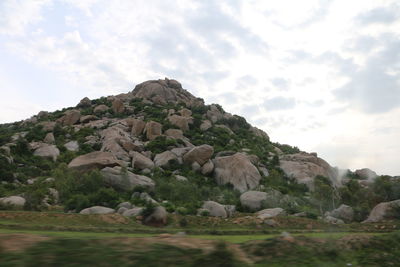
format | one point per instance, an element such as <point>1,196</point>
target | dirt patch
<point>113,218</point>
<point>19,242</point>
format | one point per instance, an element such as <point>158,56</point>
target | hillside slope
<point>159,149</point>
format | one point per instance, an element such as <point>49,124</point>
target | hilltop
<point>159,150</point>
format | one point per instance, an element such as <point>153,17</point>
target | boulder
<point>47,151</point>
<point>121,210</point>
<point>152,130</point>
<point>255,200</point>
<point>132,212</point>
<point>259,132</point>
<point>304,167</point>
<point>236,170</point>
<point>214,114</point>
<point>366,174</point>
<point>384,211</point>
<point>181,178</point>
<point>141,162</point>
<point>230,210</point>
<point>70,118</point>
<point>174,133</point>
<point>125,204</point>
<point>270,213</point>
<point>185,112</point>
<point>207,168</point>
<point>137,127</point>
<point>94,160</point>
<point>180,121</point>
<point>100,109</point>
<point>112,138</point>
<point>205,125</point>
<point>13,202</point>
<point>48,126</point>
<point>157,218</point>
<point>84,103</point>
<point>49,138</point>
<point>200,154</point>
<point>163,159</point>
<point>180,151</point>
<point>165,91</point>
<point>344,213</point>
<point>118,106</point>
<point>72,146</point>
<point>125,180</point>
<point>88,118</point>
<point>97,210</point>
<point>215,209</point>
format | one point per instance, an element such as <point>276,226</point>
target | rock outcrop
<point>94,160</point>
<point>384,211</point>
<point>15,202</point>
<point>47,151</point>
<point>344,212</point>
<point>304,167</point>
<point>157,218</point>
<point>236,170</point>
<point>165,91</point>
<point>97,210</point>
<point>215,209</point>
<point>200,154</point>
<point>125,180</point>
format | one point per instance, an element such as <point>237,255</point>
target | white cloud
<point>279,62</point>
<point>16,15</point>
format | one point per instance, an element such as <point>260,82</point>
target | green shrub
<point>160,144</point>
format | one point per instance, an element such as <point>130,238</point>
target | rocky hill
<point>158,149</point>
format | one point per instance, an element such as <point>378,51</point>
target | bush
<point>160,144</point>
<point>77,203</point>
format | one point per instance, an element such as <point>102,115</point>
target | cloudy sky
<point>323,75</point>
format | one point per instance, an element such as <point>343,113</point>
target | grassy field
<point>58,239</point>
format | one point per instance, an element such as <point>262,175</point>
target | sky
<point>322,75</point>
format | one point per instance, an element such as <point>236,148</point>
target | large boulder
<point>84,103</point>
<point>205,125</point>
<point>97,210</point>
<point>47,151</point>
<point>118,106</point>
<point>125,180</point>
<point>72,146</point>
<point>165,91</point>
<point>88,118</point>
<point>333,220</point>
<point>94,160</point>
<point>384,211</point>
<point>180,121</point>
<point>12,202</point>
<point>259,132</point>
<point>304,167</point>
<point>255,200</point>
<point>132,212</point>
<point>100,109</point>
<point>163,159</point>
<point>200,154</point>
<point>270,213</point>
<point>236,170</point>
<point>344,212</point>
<point>214,114</point>
<point>140,161</point>
<point>152,130</point>
<point>113,139</point>
<point>157,218</point>
<point>49,138</point>
<point>137,127</point>
<point>175,133</point>
<point>70,118</point>
<point>215,209</point>
<point>366,174</point>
